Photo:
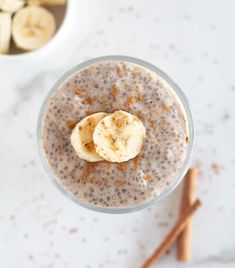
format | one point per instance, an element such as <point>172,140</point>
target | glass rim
<point>190,123</point>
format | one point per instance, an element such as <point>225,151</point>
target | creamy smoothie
<point>109,86</point>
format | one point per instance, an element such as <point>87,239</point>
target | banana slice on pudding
<point>119,136</point>
<point>32,27</point>
<point>82,137</point>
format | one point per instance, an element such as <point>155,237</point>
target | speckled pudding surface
<point>108,86</point>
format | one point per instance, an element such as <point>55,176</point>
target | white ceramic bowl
<point>18,70</point>
<point>73,10</point>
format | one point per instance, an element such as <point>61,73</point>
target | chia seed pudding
<point>107,86</point>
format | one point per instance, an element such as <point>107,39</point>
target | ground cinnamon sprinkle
<point>30,257</point>
<point>60,150</point>
<point>90,146</point>
<point>154,125</point>
<point>104,126</point>
<point>87,176</point>
<point>91,180</point>
<point>149,135</point>
<point>140,97</point>
<point>137,161</point>
<point>140,116</point>
<point>166,108</point>
<point>162,224</point>
<point>88,100</point>
<point>147,177</point>
<point>73,230</point>
<point>89,168</point>
<point>121,166</point>
<point>151,77</point>
<point>120,120</point>
<point>163,120</point>
<point>134,73</point>
<point>118,183</point>
<point>120,70</point>
<point>91,123</point>
<point>129,101</point>
<point>89,112</point>
<point>78,91</point>
<point>98,183</point>
<point>115,90</point>
<point>105,181</point>
<point>215,168</point>
<point>71,124</point>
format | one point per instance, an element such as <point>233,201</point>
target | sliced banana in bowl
<point>32,27</point>
<point>11,6</point>
<point>32,24</point>
<point>46,2</point>
<point>5,32</point>
<point>119,136</point>
<point>82,137</point>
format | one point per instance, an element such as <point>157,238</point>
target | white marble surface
<point>193,41</point>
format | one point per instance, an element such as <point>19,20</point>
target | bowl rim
<point>190,122</point>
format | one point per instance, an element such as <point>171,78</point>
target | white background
<point>192,41</point>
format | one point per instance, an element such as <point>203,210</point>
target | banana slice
<point>11,6</point>
<point>82,137</point>
<point>32,27</point>
<point>119,137</point>
<point>46,2</point>
<point>5,32</point>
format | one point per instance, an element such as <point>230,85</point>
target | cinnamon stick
<point>171,237</point>
<point>183,250</point>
